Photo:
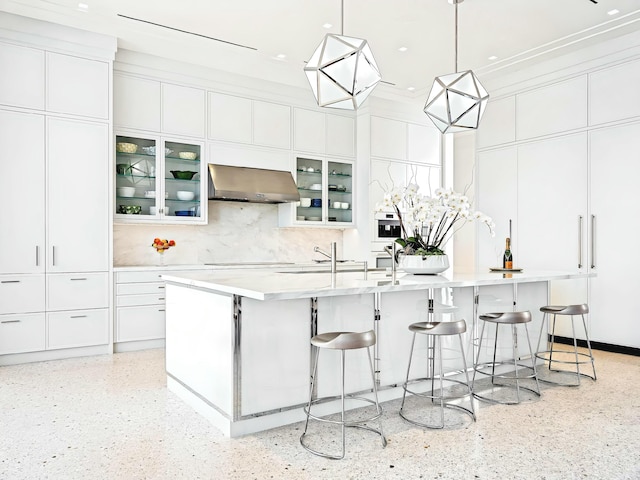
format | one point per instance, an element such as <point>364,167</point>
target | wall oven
<point>387,227</point>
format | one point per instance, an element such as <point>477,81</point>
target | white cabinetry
<point>140,308</point>
<point>183,110</point>
<point>159,180</point>
<point>323,133</point>
<point>136,102</point>
<point>78,86</point>
<point>388,138</point>
<point>242,120</point>
<point>498,124</point>
<point>614,93</point>
<point>326,188</point>
<point>77,173</point>
<point>23,209</point>
<point>22,82</point>
<point>552,109</point>
<point>613,294</point>
<point>151,105</point>
<point>69,271</point>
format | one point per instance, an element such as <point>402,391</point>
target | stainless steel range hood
<point>244,184</point>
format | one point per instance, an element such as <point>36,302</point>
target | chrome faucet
<point>391,250</point>
<point>331,256</point>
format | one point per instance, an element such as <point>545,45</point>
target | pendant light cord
<point>456,39</point>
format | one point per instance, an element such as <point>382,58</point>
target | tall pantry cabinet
<point>55,134</point>
<point>568,187</point>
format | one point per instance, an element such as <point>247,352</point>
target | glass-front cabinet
<point>326,192</point>
<point>159,180</point>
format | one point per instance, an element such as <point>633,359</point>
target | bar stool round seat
<point>506,380</point>
<point>563,356</point>
<point>445,392</point>
<point>342,341</point>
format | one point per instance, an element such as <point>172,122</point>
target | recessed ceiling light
<point>403,49</point>
<point>281,55</point>
<point>327,25</point>
<point>615,11</point>
<point>83,6</point>
<point>493,57</point>
<point>411,89</point>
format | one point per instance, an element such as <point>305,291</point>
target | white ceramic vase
<point>427,265</point>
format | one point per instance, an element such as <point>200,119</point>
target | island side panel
<point>199,346</point>
<point>348,313</point>
<point>275,354</point>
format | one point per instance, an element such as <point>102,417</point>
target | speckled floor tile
<point>111,417</point>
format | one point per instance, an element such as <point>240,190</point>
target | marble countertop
<point>291,283</point>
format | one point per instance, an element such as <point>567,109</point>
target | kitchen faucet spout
<point>331,256</point>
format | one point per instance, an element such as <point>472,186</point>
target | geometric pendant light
<point>342,71</point>
<point>458,100</point>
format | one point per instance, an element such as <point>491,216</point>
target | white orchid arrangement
<point>428,223</point>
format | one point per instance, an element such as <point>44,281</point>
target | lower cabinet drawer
<point>22,333</point>
<point>21,293</point>
<point>140,323</point>
<point>71,291</point>
<point>139,300</point>
<point>80,328</point>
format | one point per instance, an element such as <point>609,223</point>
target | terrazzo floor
<point>111,417</point>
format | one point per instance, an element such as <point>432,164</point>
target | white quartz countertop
<point>285,284</point>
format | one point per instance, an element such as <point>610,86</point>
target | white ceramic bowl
<point>126,191</point>
<point>184,195</point>
<point>187,155</point>
<point>300,218</point>
<point>314,219</point>
<point>315,186</point>
<point>305,202</point>
<point>150,193</point>
<point>152,210</point>
<point>337,205</point>
<point>344,205</point>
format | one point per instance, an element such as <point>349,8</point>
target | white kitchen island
<point>237,342</point>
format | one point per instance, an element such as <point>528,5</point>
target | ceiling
<point>517,32</point>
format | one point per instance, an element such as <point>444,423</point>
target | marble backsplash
<point>236,232</point>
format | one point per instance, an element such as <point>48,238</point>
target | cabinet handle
<point>10,281</point>
<point>77,279</point>
<point>10,321</point>
<point>53,256</point>
<point>37,256</point>
<point>161,309</point>
<point>579,241</point>
<point>162,287</point>
<point>78,316</point>
<point>593,241</point>
<point>160,298</point>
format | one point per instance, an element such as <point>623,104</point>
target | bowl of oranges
<point>162,244</point>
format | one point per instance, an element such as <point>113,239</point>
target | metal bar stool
<point>343,341</point>
<point>434,331</point>
<point>513,319</point>
<point>560,354</point>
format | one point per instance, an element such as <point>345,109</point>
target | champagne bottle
<point>507,259</point>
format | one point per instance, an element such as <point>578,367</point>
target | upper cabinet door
<point>341,135</point>
<point>78,196</point>
<point>552,109</point>
<point>271,124</point>
<point>229,118</point>
<point>423,144</point>
<point>388,138</point>
<point>309,134</point>
<point>22,187</point>
<point>498,124</point>
<point>183,110</point>
<point>77,86</point>
<point>614,93</point>
<point>22,79</point>
<point>136,103</point>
